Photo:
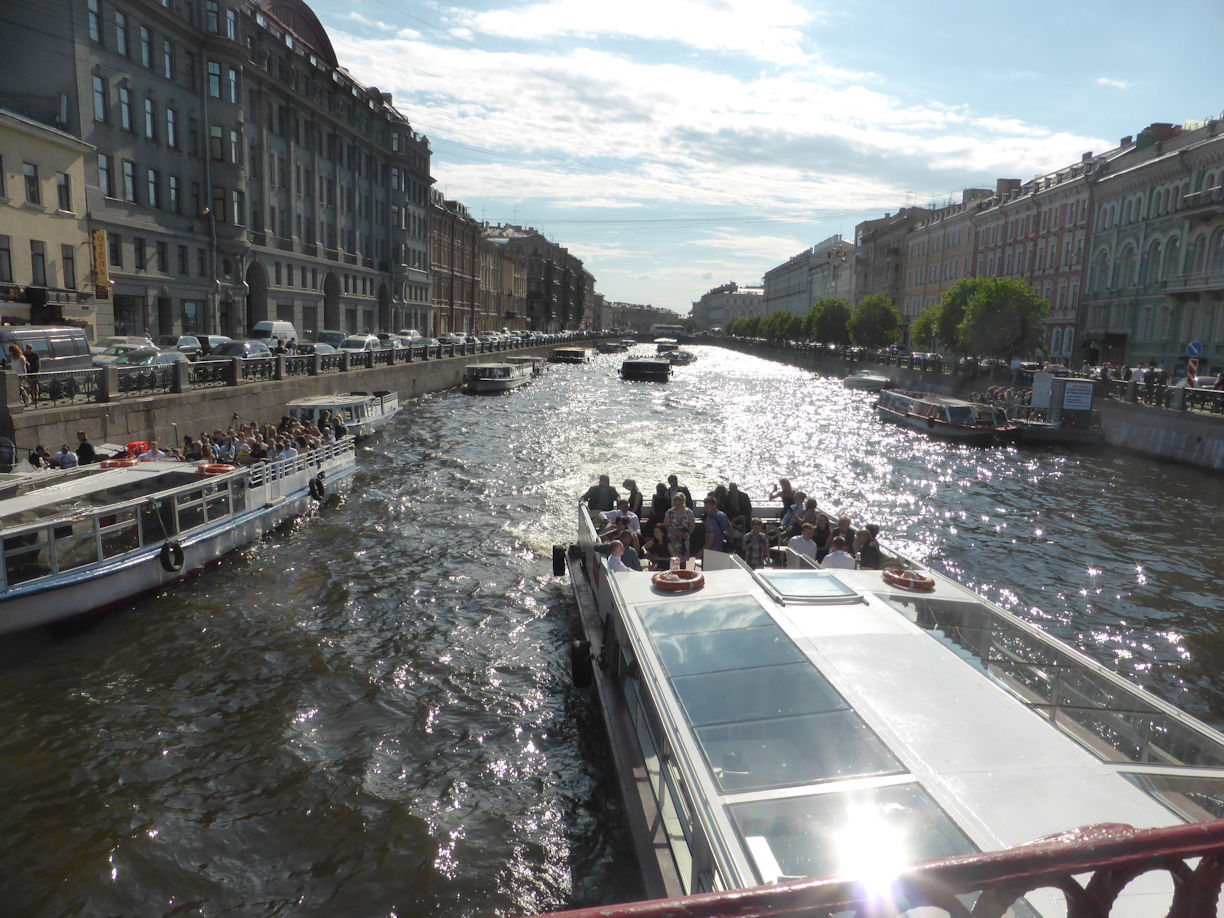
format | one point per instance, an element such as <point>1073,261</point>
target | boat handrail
<point>1113,854</point>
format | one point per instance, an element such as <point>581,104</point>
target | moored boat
<point>949,418</point>
<point>98,536</point>
<point>364,413</point>
<point>611,347</point>
<point>537,364</point>
<point>789,723</point>
<point>646,369</point>
<point>573,354</point>
<point>666,345</point>
<point>868,380</point>
<point>680,358</point>
<point>495,377</point>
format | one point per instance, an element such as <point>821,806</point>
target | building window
<point>182,260</point>
<point>104,175</point>
<point>116,250</point>
<point>150,120</point>
<point>6,260</point>
<point>3,193</point>
<point>154,184</point>
<point>146,48</point>
<point>172,197</point>
<point>121,42</point>
<point>231,25</point>
<point>38,263</point>
<point>212,21</point>
<point>218,203</point>
<point>171,129</point>
<point>214,79</point>
<point>68,261</point>
<point>139,254</point>
<point>168,59</point>
<point>33,193</point>
<point>95,24</point>
<point>63,189</point>
<point>99,98</point>
<point>235,148</point>
<point>238,207</point>
<point>129,182</point>
<point>216,148</point>
<point>233,85</point>
<point>125,108</point>
<point>163,258</point>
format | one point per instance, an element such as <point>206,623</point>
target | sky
<point>676,145</point>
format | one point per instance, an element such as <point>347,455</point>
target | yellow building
<point>46,257</point>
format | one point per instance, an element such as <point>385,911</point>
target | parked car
<point>244,349</point>
<point>425,347</point>
<point>187,344</point>
<point>356,344</point>
<point>115,351</point>
<point>149,356</point>
<point>209,343</point>
<point>273,330</point>
<point>111,340</point>
<point>308,348</point>
<point>58,347</point>
<point>331,336</point>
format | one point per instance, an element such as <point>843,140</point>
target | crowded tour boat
<point>646,369</point>
<point>790,722</point>
<point>495,377</point>
<point>573,354</point>
<point>87,539</point>
<point>966,422</point>
<point>363,413</point>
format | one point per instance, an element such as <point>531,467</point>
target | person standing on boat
<point>738,505</point>
<point>601,496</point>
<point>716,526</point>
<point>152,453</point>
<point>622,510</point>
<point>784,492</point>
<point>85,451</point>
<point>660,503</point>
<point>680,524</point>
<point>633,495</point>
<point>674,487</point>
<point>755,545</point>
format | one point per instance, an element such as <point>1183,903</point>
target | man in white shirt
<point>622,509</point>
<point>805,544</point>
<point>838,558</point>
<point>64,458</point>
<point>152,452</point>
<point>616,563</point>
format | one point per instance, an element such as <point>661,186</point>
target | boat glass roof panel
<point>840,834</point>
<point>1193,798</point>
<point>805,585</point>
<point>1111,720</point>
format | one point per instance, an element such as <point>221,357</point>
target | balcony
<point>1201,282</point>
<point>285,245</point>
<point>1204,205</point>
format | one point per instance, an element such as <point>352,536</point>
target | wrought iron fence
<point>150,380</point>
<point>57,388</point>
<point>205,374</point>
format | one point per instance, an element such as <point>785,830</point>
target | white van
<point>275,329</point>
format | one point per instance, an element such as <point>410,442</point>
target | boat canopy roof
<point>52,496</point>
<point>825,716</point>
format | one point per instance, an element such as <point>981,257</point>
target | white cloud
<point>1113,84</point>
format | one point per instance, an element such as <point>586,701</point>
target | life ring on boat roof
<point>137,447</point>
<point>172,556</point>
<point>678,581</point>
<point>317,488</point>
<point>118,463</point>
<point>216,468</point>
<point>908,579</point>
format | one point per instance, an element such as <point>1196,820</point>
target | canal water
<point>370,712</point>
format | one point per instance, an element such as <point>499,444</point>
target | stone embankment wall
<point>1189,437</point>
<point>155,417</point>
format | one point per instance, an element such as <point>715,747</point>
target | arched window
<point>1162,324</point>
<point>1126,269</point>
<point>1056,341</point>
<point>1198,259</point>
<point>1151,266</point>
<point>1217,250</point>
<point>1172,266</point>
<point>1100,271</point>
<point>1068,339</point>
<point>1147,328</point>
<point>1188,322</point>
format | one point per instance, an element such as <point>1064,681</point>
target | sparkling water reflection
<point>370,713</point>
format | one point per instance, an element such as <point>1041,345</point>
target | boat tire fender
<point>930,422</point>
<point>172,556</point>
<point>558,560</point>
<point>582,669</point>
<point>908,579</point>
<point>678,581</point>
<point>317,489</point>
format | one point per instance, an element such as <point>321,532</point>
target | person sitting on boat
<point>674,487</point>
<point>680,524</point>
<point>867,549</point>
<point>845,530</point>
<point>655,549</point>
<point>601,496</point>
<point>620,530</point>
<point>822,535</point>
<point>153,452</point>
<point>621,558</point>
<point>755,545</point>
<point>717,525</point>
<point>792,519</point>
<point>622,510</point>
<point>803,543</point>
<point>64,458</point>
<point>838,558</point>
<point>784,492</point>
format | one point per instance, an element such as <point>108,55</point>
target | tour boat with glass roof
<point>495,377</point>
<point>364,413</point>
<point>955,419</point>
<point>786,723</point>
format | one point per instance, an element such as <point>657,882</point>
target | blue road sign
<point>1193,349</point>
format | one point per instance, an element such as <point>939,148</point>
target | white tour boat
<point>950,418</point>
<point>364,413</point>
<point>95,537</point>
<point>788,723</point>
<point>868,380</point>
<point>646,369</point>
<point>666,345</point>
<point>573,354</point>
<point>495,377</point>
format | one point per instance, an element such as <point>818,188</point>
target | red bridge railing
<point>1090,867</point>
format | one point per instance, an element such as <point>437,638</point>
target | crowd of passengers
<point>241,445</point>
<point>670,529</point>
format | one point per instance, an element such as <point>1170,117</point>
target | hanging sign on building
<point>101,274</point>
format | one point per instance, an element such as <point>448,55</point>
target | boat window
<point>118,532</point>
<point>156,521</point>
<point>1109,719</point>
<point>76,545</point>
<point>238,494</point>
<point>1192,798</point>
<point>24,559</point>
<point>190,510</point>
<point>848,834</point>
<point>801,585</point>
<point>960,414</point>
<point>218,505</point>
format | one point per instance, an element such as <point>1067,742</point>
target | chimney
<point>1006,186</point>
<point>1126,141</point>
<point>1086,157</point>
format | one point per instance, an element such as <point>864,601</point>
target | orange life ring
<point>678,581</point>
<point>908,579</point>
<point>118,463</point>
<point>216,468</point>
<point>136,447</point>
